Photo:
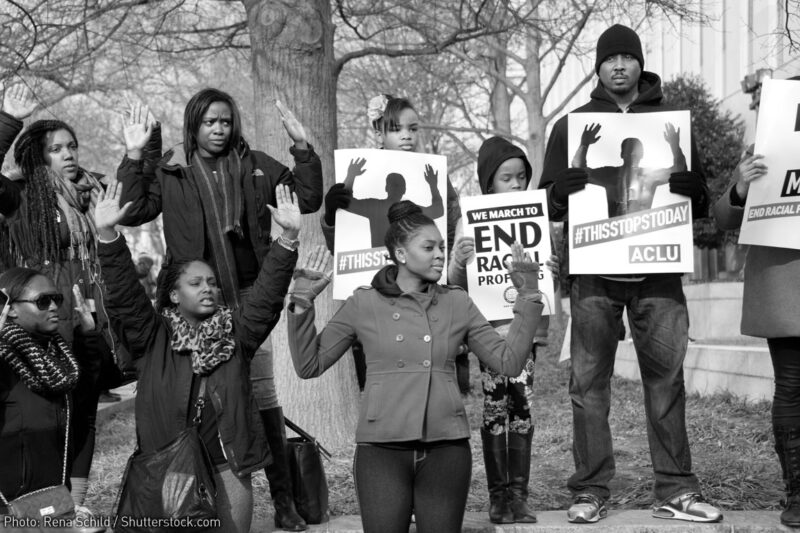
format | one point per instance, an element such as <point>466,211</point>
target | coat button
<point>434,319</point>
<point>396,316</point>
<point>400,364</point>
<point>427,338</point>
<point>399,338</point>
<point>426,363</point>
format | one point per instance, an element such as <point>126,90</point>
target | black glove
<point>687,183</point>
<point>568,181</point>
<point>338,197</point>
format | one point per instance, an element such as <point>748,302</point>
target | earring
<point>402,262</point>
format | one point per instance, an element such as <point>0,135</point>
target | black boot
<point>787,444</point>
<point>495,457</point>
<point>280,481</point>
<point>519,472</point>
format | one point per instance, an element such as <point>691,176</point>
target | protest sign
<point>626,221</point>
<point>379,179</point>
<point>496,221</point>
<point>773,201</point>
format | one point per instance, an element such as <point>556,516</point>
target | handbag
<point>170,487</point>
<point>309,486</point>
<point>53,502</point>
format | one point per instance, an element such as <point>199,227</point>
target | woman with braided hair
<point>49,226</point>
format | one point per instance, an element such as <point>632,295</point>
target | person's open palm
<point>18,101</point>
<point>107,212</point>
<point>293,126</point>
<point>287,212</point>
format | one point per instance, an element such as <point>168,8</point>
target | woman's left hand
<point>287,214</point>
<point>84,311</point>
<point>293,126</point>
<point>524,272</point>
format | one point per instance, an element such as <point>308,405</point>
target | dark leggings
<point>785,354</point>
<point>430,481</point>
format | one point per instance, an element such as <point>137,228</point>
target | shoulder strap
<point>304,434</point>
<point>66,448</point>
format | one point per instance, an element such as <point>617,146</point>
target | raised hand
<point>672,136</point>
<point>589,135</point>
<point>431,176</point>
<point>311,279</point>
<point>84,311</point>
<point>107,212</point>
<point>18,101</point>
<point>751,167</point>
<point>356,168</point>
<point>524,272</point>
<point>293,126</point>
<point>287,214</point>
<point>136,130</point>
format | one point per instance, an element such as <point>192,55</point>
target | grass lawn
<point>731,447</point>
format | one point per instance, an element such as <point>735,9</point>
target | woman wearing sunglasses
<point>38,373</point>
<point>50,227</point>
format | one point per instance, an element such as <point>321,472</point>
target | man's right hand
<point>568,181</point>
<point>338,197</point>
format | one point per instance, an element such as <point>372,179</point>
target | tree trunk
<point>292,60</point>
<point>500,99</point>
<point>534,105</point>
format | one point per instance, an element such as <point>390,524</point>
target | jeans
<point>431,481</point>
<point>659,324</point>
<point>785,353</point>
<point>262,376</point>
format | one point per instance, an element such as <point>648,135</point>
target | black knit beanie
<point>618,39</point>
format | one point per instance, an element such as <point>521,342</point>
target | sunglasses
<point>43,301</point>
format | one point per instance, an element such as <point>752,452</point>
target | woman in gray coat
<point>412,435</point>
<point>771,310</point>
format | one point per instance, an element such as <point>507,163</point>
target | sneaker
<point>586,508</point>
<point>109,397</point>
<point>690,506</point>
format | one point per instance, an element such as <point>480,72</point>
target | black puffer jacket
<point>165,378</point>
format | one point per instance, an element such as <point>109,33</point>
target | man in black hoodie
<point>657,315</point>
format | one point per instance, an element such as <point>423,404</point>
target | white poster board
<point>773,201</point>
<point>626,221</point>
<point>495,221</point>
<point>380,178</point>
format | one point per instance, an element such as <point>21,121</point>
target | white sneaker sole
<point>581,520</point>
<point>678,515</point>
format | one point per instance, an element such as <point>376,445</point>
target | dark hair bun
<point>402,210</point>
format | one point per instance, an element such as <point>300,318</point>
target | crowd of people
<point>81,317</point>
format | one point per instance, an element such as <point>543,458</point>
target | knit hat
<point>618,39</point>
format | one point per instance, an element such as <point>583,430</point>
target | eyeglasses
<point>43,301</point>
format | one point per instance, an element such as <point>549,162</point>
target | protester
<point>413,451</point>
<point>190,335</point>
<point>507,430</point>
<point>771,309</point>
<point>395,123</point>
<point>38,374</point>
<point>214,192</point>
<point>657,316</point>
<point>50,227</point>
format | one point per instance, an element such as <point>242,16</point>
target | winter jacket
<point>650,100</point>
<point>171,190</point>
<point>771,303</point>
<point>165,378</point>
<point>32,431</point>
<point>410,343</point>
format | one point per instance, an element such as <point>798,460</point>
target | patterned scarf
<point>210,344</point>
<point>77,200</point>
<point>223,205</point>
<point>51,370</point>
